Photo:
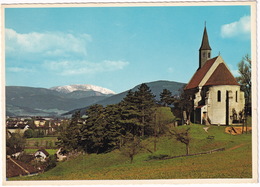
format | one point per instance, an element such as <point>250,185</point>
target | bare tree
<point>183,136</point>
<point>132,146</point>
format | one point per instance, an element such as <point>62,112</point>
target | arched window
<point>219,96</point>
<point>203,54</point>
<point>236,96</point>
<point>208,55</point>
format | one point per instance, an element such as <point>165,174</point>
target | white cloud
<point>60,53</point>
<point>239,28</point>
<point>79,67</point>
<point>45,44</point>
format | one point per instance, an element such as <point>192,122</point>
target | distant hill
<point>30,101</point>
<point>156,88</point>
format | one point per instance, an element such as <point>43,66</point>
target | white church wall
<point>217,108</point>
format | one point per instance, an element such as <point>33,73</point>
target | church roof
<point>205,41</point>
<point>200,73</point>
<point>221,76</point>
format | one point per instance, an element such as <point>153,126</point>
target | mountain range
<point>30,101</point>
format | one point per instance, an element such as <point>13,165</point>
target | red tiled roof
<point>221,76</point>
<point>200,73</point>
<point>15,168</point>
<point>44,151</point>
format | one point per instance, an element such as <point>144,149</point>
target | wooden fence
<point>202,153</point>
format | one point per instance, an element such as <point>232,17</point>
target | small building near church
<point>216,94</point>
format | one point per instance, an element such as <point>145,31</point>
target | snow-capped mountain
<point>82,87</point>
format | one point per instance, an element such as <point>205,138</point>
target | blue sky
<point>119,47</point>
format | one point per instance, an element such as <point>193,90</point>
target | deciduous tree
<point>244,69</point>
<point>15,143</point>
<point>132,146</point>
<point>182,135</point>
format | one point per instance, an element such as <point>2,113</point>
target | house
<point>16,168</point>
<point>60,155</point>
<point>17,126</point>
<point>39,122</point>
<point>215,93</point>
<point>41,155</point>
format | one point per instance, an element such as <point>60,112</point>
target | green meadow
<point>234,162</point>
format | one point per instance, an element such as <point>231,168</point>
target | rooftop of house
<point>44,151</point>
<point>16,168</point>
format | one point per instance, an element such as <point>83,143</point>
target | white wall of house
<point>40,155</point>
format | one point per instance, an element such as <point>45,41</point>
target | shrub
<point>29,133</point>
<point>157,157</point>
<point>51,162</point>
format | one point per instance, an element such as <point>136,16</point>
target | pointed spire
<point>205,41</point>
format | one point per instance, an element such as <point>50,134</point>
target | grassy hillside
<point>234,162</point>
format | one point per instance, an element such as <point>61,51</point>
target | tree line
<point>103,129</point>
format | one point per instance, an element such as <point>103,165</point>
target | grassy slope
<point>234,162</point>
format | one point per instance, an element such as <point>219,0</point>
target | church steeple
<point>205,50</point>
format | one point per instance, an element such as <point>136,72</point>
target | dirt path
<point>237,146</point>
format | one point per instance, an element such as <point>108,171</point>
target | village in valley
<point>162,129</point>
<point>35,143</point>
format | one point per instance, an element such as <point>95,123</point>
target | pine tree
<point>145,104</point>
<point>130,117</point>
<point>113,127</point>
<point>92,132</point>
<point>71,135</point>
<point>166,97</point>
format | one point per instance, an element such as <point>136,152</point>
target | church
<point>216,95</point>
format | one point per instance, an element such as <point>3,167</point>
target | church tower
<point>205,50</point>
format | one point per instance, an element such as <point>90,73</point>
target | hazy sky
<point>119,47</point>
